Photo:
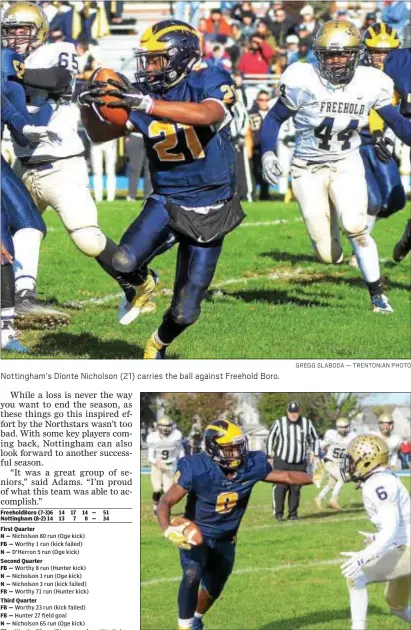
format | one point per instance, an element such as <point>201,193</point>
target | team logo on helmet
<point>168,51</point>
<point>24,27</point>
<point>226,444</point>
<point>338,49</point>
<point>364,454</point>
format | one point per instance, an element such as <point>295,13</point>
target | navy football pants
<point>209,564</point>
<point>386,193</point>
<point>150,235</point>
<point>18,210</point>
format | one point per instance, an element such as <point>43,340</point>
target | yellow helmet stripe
<point>150,41</point>
<point>233,431</point>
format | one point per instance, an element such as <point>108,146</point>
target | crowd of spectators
<point>235,37</point>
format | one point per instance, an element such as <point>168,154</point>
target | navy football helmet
<point>167,53</point>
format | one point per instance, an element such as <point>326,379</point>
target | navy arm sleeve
<point>11,116</point>
<point>56,80</point>
<point>400,125</point>
<point>271,125</point>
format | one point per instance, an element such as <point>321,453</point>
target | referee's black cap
<point>293,406</point>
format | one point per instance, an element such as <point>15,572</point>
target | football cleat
<point>380,304</point>
<point>403,247</point>
<point>32,313</point>
<point>198,624</point>
<point>332,503</point>
<point>318,503</point>
<point>10,341</point>
<point>129,311</point>
<point>154,348</point>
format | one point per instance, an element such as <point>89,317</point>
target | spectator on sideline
<point>308,20</point>
<point>405,453</point>
<point>256,115</point>
<point>369,20</point>
<point>114,11</point>
<point>247,24</point>
<point>258,58</point>
<point>396,13</point>
<point>282,26</point>
<point>217,26</point>
<point>240,88</point>
<point>87,63</point>
<point>263,29</point>
<point>219,58</point>
<point>107,152</point>
<point>235,43</point>
<point>237,12</point>
<point>137,161</point>
<point>292,46</point>
<point>304,53</point>
<point>288,441</point>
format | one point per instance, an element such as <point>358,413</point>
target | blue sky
<point>387,399</point>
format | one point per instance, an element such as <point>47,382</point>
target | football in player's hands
<point>117,116</point>
<point>191,531</point>
<point>102,123</point>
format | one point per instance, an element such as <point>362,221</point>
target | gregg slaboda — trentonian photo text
<point>329,529</point>
<point>279,125</point>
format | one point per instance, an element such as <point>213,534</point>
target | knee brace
<point>329,251</point>
<point>192,575</point>
<point>124,259</point>
<point>89,240</point>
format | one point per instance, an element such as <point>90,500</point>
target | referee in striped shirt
<point>288,441</point>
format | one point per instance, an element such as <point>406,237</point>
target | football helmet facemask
<point>343,426</point>
<point>167,53</point>
<point>24,27</point>
<point>379,39</point>
<point>226,444</point>
<point>338,48</point>
<point>365,454</point>
<point>386,420</point>
<point>165,425</point>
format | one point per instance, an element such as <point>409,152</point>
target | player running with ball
<point>330,105</point>
<point>218,485</point>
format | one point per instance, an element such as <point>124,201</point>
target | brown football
<point>115,116</point>
<point>191,530</point>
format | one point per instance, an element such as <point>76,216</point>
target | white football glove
<point>272,168</point>
<point>352,568</point>
<point>368,537</point>
<point>38,134</point>
<point>174,533</point>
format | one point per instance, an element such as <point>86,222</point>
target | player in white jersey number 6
<point>387,557</point>
<point>330,104</point>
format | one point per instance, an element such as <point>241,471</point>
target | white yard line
<point>275,569</point>
<point>273,222</point>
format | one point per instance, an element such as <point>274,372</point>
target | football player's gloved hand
<point>160,464</point>
<point>92,94</point>
<point>129,97</point>
<point>384,147</point>
<point>176,536</point>
<point>272,168</point>
<point>352,568</point>
<point>38,134</point>
<point>368,537</point>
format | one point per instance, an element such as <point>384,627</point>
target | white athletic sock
<point>7,315</point>
<point>406,183</point>
<point>184,624</point>
<point>371,222</point>
<point>26,259</point>
<point>111,187</point>
<point>403,614</point>
<point>366,253</point>
<point>98,187</point>
<point>324,492</point>
<point>283,185</point>
<point>359,606</point>
<point>337,490</point>
<point>198,615</point>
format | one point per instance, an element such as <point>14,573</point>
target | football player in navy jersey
<point>183,111</point>
<point>19,214</point>
<point>398,67</point>
<point>217,484</point>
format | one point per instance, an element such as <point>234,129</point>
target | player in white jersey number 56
<point>330,104</point>
<point>387,557</point>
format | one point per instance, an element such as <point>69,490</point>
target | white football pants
<point>161,479</point>
<point>106,151</point>
<point>330,194</point>
<point>64,185</point>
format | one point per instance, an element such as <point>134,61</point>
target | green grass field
<point>269,297</point>
<point>286,576</point>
